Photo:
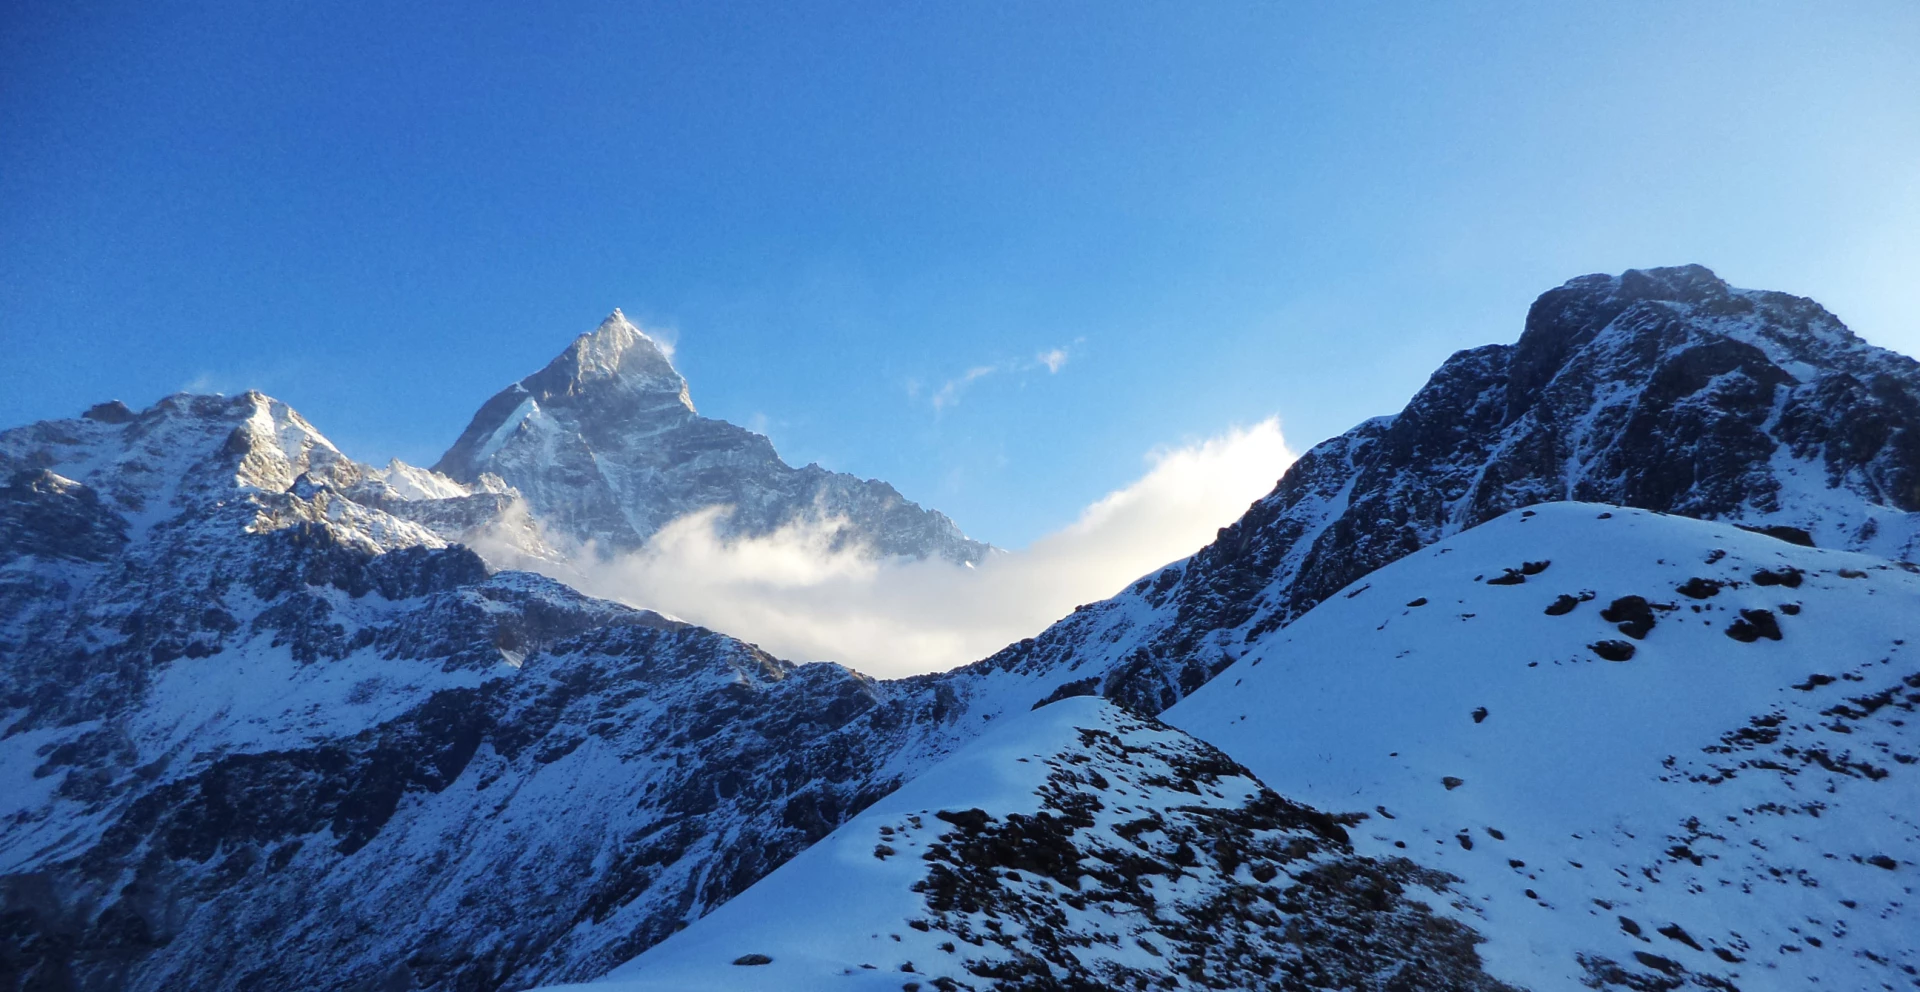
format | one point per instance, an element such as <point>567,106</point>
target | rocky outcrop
<point>1081,847</point>
<point>47,516</point>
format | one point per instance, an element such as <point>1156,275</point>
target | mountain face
<point>259,704</point>
<point>605,446</point>
<point>1663,389</point>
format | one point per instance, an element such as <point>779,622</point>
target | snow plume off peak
<point>809,592</point>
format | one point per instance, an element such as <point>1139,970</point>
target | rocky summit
<point>269,725</point>
<point>605,446</point>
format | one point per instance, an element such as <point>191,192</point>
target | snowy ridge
<point>1610,748</point>
<point>1076,847</point>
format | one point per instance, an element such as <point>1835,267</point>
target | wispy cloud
<point>803,594</point>
<point>665,335</point>
<point>949,392</point>
<point>205,383</point>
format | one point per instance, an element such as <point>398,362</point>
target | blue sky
<point>1219,212</point>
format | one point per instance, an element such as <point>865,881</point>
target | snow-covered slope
<point>606,447</point>
<point>1658,750</point>
<point>1076,847</point>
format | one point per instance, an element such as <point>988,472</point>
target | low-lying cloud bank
<point>798,597</point>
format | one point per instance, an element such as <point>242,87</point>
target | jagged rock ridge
<point>606,447</point>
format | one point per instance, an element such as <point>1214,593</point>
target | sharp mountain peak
<point>606,446</point>
<point>615,354</point>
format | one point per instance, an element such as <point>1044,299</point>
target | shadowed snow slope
<point>1650,745</point>
<point>1076,847</point>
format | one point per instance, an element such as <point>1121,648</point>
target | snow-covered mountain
<point>1578,746</point>
<point>256,713</point>
<point>605,446</point>
<point>1663,389</point>
<point>259,704</point>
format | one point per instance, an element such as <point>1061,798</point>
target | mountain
<point>605,446</point>
<point>1658,752</point>
<point>1077,847</point>
<point>254,708</point>
<point>259,703</point>
<point>1662,389</point>
<point>1577,746</point>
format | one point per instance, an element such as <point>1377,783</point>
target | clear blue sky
<point>382,213</point>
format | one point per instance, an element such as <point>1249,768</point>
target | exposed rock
<point>1613,650</point>
<point>1754,625</point>
<point>1633,614</point>
<point>48,516</point>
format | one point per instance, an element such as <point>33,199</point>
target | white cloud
<point>949,393</point>
<point>666,337</point>
<point>797,595</point>
<point>206,383</point>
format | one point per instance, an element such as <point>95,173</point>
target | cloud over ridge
<point>802,594</point>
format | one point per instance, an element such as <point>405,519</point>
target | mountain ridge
<point>1658,752</point>
<point>1728,433</point>
<point>157,568</point>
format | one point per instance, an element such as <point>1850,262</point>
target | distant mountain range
<point>270,725</point>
